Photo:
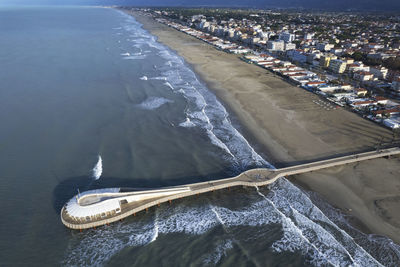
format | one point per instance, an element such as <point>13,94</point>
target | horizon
<point>338,6</point>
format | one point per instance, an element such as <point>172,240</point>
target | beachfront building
<point>337,66</point>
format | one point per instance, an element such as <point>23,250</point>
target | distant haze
<point>338,5</point>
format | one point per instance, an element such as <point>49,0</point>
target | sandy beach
<point>289,125</point>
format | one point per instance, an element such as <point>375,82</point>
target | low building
<point>394,124</point>
<point>290,46</point>
<point>360,91</point>
<point>275,45</point>
<point>325,46</point>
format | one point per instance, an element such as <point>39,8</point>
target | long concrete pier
<point>94,208</point>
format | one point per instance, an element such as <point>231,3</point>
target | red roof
<point>364,102</point>
<point>315,82</point>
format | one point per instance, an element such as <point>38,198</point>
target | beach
<point>288,125</point>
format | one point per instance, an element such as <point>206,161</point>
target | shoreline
<point>301,131</point>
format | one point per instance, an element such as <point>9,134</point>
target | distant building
<point>325,60</point>
<point>379,72</point>
<point>309,36</point>
<point>276,45</point>
<point>363,76</point>
<point>290,46</point>
<point>337,65</point>
<point>287,37</point>
<point>325,47</point>
<point>360,91</point>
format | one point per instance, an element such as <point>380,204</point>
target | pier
<point>99,207</point>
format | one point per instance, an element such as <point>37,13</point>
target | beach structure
<point>94,208</point>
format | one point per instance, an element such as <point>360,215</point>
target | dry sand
<point>290,125</point>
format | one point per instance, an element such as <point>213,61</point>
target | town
<point>351,60</point>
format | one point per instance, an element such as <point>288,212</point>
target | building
<point>325,60</point>
<point>309,36</point>
<point>360,91</point>
<point>287,37</point>
<point>379,72</point>
<point>363,76</point>
<point>337,66</point>
<point>290,46</point>
<point>276,45</point>
<point>325,47</point>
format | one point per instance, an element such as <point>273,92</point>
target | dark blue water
<point>82,84</point>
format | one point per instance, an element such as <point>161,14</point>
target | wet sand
<point>289,125</point>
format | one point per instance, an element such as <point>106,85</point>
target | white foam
<point>98,169</point>
<point>159,78</point>
<point>221,250</point>
<point>187,123</point>
<point>134,57</point>
<point>152,103</point>
<point>143,78</point>
<point>155,235</point>
<point>169,85</point>
<point>125,54</point>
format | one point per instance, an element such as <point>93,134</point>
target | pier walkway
<point>110,205</point>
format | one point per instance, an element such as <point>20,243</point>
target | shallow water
<point>88,99</point>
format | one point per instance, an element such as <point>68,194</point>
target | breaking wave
<point>305,229</point>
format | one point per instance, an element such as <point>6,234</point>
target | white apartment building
<point>275,45</point>
<point>325,47</point>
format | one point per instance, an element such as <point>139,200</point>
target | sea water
<point>88,99</point>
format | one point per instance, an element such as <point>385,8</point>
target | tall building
<point>337,65</point>
<point>325,60</point>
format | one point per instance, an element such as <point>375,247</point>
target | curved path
<point>99,207</point>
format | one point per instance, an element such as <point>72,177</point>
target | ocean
<point>89,99</point>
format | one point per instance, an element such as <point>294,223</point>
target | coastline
<point>288,128</point>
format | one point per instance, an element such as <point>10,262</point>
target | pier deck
<point>254,177</point>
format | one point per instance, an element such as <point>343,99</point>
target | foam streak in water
<point>98,169</point>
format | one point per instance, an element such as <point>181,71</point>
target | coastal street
<point>131,203</point>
